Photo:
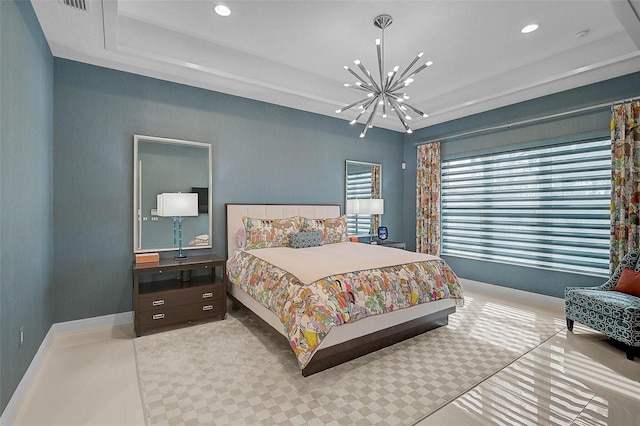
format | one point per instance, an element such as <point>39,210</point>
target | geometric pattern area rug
<point>232,373</point>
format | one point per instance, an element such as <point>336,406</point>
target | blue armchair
<point>613,313</point>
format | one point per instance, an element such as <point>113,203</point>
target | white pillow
<point>241,237</point>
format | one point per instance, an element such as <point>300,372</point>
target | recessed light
<point>529,28</point>
<point>222,10</point>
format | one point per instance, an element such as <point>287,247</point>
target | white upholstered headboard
<point>235,212</point>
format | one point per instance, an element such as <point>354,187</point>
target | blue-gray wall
<point>26,236</point>
<point>262,153</point>
<point>592,123</point>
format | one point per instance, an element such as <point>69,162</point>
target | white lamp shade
<point>174,204</point>
<point>353,206</point>
<point>371,206</point>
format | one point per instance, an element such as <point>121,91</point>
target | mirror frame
<point>346,177</point>
<point>137,214</point>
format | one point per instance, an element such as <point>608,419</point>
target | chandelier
<point>386,93</point>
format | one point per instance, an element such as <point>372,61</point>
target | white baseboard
<point>501,291</point>
<point>94,322</point>
<point>10,412</point>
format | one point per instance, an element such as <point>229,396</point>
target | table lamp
<point>177,205</point>
<point>371,206</point>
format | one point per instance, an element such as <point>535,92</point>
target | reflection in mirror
<point>170,165</point>
<point>362,181</point>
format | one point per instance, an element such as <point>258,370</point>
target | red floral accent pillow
<point>629,282</point>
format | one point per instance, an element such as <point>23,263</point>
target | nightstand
<point>394,244</point>
<point>170,292</point>
<point>385,243</point>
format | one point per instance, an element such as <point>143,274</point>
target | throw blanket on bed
<point>314,263</point>
<point>308,311</point>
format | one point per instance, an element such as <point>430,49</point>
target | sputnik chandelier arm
<point>384,93</point>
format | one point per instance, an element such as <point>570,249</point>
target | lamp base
<point>178,258</point>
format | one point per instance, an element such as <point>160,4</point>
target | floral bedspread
<point>309,311</point>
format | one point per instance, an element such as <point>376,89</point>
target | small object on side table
<point>383,232</point>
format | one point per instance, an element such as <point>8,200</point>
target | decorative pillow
<point>306,239</point>
<point>334,230</point>
<point>629,282</point>
<point>262,233</point>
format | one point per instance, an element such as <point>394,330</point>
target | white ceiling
<point>292,53</point>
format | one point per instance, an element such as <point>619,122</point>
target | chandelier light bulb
<point>222,10</point>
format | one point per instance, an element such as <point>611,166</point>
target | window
<point>546,207</point>
<point>359,187</point>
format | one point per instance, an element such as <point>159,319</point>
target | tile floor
<point>89,378</point>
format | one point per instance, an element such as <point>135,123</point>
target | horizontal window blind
<point>545,207</point>
<point>359,187</point>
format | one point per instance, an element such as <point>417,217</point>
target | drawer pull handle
<point>158,302</point>
<point>207,295</point>
<point>158,316</point>
<point>207,307</point>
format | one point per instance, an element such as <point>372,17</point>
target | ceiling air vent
<point>82,5</point>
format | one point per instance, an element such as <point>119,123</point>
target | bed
<point>334,310</point>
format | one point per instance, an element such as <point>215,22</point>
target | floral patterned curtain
<point>625,180</point>
<point>428,199</point>
<point>376,186</point>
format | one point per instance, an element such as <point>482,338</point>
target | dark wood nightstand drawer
<point>179,297</point>
<point>161,269</point>
<point>178,314</point>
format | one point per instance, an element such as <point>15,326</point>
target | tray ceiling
<point>292,53</point>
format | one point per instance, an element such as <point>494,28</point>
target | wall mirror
<point>362,181</point>
<point>170,165</point>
